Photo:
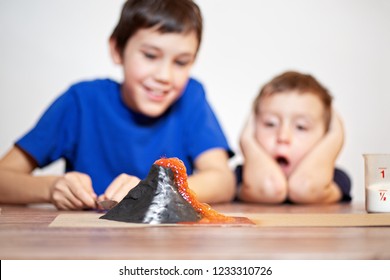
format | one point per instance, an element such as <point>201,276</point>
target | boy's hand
<point>312,179</point>
<point>119,187</point>
<point>247,137</point>
<point>73,191</point>
<point>263,179</point>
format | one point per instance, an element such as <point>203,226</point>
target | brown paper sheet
<point>320,220</point>
<point>88,220</point>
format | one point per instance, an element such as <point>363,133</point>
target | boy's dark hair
<point>301,83</point>
<point>178,16</point>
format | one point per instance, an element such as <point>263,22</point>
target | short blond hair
<point>301,83</point>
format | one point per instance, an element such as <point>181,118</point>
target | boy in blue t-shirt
<point>110,133</point>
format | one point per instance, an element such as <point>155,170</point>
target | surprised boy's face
<point>288,126</point>
<point>156,69</point>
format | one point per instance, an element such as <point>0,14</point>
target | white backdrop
<point>48,45</point>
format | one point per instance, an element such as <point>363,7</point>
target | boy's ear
<point>115,54</point>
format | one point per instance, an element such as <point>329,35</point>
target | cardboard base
<point>320,220</point>
<point>88,220</point>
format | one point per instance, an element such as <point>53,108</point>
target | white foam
<point>378,197</point>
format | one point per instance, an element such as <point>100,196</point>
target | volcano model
<point>164,197</point>
<point>155,200</point>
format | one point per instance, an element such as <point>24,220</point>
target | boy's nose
<point>284,135</point>
<point>163,72</point>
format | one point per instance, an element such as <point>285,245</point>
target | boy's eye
<point>181,62</point>
<point>150,55</point>
<point>301,127</point>
<point>269,123</point>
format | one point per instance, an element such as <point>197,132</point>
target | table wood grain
<point>25,234</point>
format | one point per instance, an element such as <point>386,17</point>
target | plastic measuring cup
<point>377,182</point>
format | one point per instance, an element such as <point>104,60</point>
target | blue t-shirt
<point>341,179</point>
<point>97,134</point>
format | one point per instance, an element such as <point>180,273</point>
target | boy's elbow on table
<point>306,190</point>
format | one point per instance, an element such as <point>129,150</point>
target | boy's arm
<point>312,180</point>
<point>263,180</point>
<point>213,181</point>
<point>18,185</point>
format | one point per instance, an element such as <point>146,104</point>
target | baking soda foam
<point>378,198</point>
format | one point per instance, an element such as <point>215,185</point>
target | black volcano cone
<point>155,200</point>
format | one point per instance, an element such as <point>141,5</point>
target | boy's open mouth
<point>282,161</point>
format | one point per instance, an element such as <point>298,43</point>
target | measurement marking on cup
<point>382,195</point>
<point>382,171</point>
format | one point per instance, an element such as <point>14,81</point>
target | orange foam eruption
<point>180,177</point>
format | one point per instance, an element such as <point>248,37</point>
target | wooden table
<point>25,234</point>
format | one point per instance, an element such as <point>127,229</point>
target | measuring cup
<point>377,182</point>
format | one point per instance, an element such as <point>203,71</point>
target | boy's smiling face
<point>288,126</point>
<point>156,69</point>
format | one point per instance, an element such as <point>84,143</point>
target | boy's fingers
<point>81,188</point>
<point>121,186</point>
